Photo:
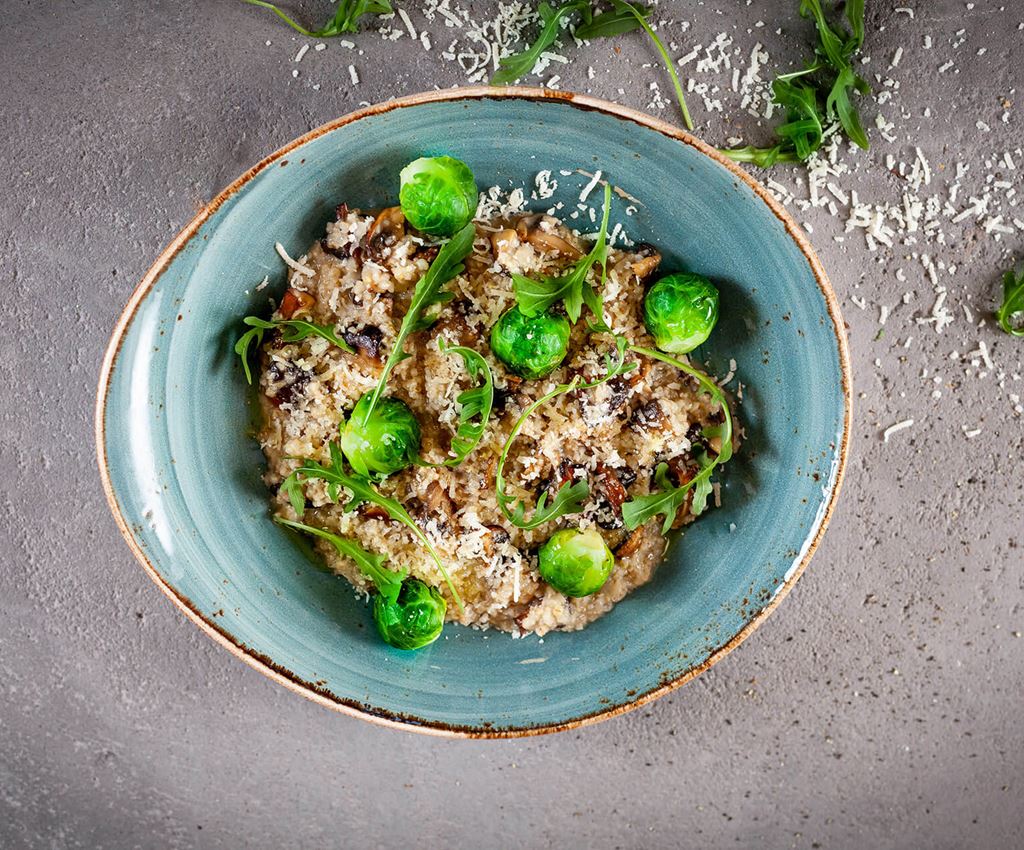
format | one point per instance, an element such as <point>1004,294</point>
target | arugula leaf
<point>570,497</point>
<point>388,582</point>
<point>1013,302</point>
<point>832,46</point>
<point>428,293</point>
<point>622,18</point>
<point>669,499</point>
<point>362,491</point>
<point>511,68</point>
<point>702,489</point>
<point>346,16</point>
<point>475,404</point>
<point>666,501</point>
<point>292,488</point>
<point>839,105</point>
<point>855,15</point>
<point>293,330</point>
<point>831,80</point>
<point>612,22</point>
<point>536,296</point>
<point>803,129</point>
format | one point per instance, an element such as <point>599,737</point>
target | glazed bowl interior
<point>184,474</point>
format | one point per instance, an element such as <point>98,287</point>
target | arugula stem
<point>363,491</point>
<point>668,63</point>
<point>632,513</point>
<point>428,292</point>
<point>760,156</point>
<point>292,23</point>
<point>388,582</point>
<point>708,385</point>
<point>569,498</point>
<point>476,404</point>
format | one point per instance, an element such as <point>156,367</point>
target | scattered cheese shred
<point>899,426</point>
<point>294,265</point>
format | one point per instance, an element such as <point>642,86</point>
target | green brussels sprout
<point>530,347</point>
<point>414,619</point>
<point>389,441</point>
<point>576,563</point>
<point>680,311</point>
<point>438,195</point>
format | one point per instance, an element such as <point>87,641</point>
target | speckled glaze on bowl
<point>183,479</point>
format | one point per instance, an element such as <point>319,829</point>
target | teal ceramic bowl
<point>183,478</point>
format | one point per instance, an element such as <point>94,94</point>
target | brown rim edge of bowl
<point>411,723</point>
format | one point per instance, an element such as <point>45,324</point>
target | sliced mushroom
<point>343,252</point>
<point>631,545</point>
<point>438,503</point>
<point>295,301</point>
<point>647,416</point>
<point>453,323</point>
<point>502,239</point>
<point>529,230</point>
<point>682,470</point>
<point>647,259</point>
<point>611,486</point>
<point>496,535</point>
<point>640,373</point>
<point>286,382</point>
<point>368,342</point>
<point>368,511</point>
<point>387,229</point>
<point>611,494</point>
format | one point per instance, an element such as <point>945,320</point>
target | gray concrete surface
<point>880,707</point>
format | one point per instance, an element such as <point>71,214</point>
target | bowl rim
<point>386,717</point>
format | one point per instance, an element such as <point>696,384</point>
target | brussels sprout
<point>576,563</point>
<point>530,347</point>
<point>438,195</point>
<point>680,311</point>
<point>387,442</point>
<point>414,619</point>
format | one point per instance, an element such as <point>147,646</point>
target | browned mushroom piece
<point>295,301</point>
<point>368,511</point>
<point>610,493</point>
<point>529,230</point>
<point>618,394</point>
<point>387,229</point>
<point>631,545</point>
<point>342,253</point>
<point>640,373</point>
<point>453,323</point>
<point>503,239</point>
<point>427,252</point>
<point>568,472</point>
<point>647,416</point>
<point>496,535</point>
<point>681,468</point>
<point>286,383</point>
<point>368,342</point>
<point>438,503</point>
<point>647,259</point>
<point>611,487</point>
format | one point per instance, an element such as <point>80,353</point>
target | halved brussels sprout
<point>414,619</point>
<point>438,195</point>
<point>532,347</point>
<point>576,563</point>
<point>680,311</point>
<point>388,442</point>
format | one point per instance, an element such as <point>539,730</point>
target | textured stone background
<point>879,707</point>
